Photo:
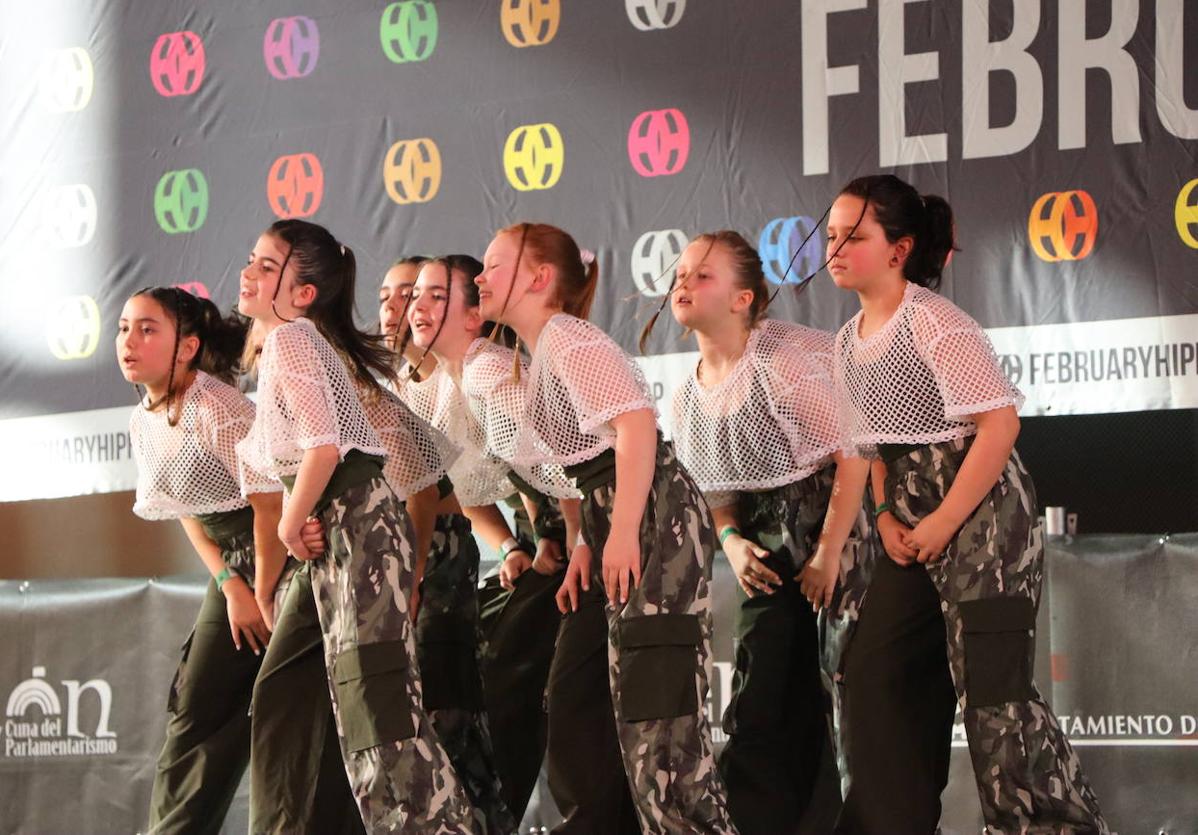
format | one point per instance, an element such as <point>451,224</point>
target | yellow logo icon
<point>412,171</point>
<point>67,80</point>
<point>529,22</point>
<point>73,328</point>
<point>533,157</point>
<point>1185,214</point>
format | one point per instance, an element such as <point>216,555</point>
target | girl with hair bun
<point>949,617</point>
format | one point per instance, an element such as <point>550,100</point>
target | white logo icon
<point>654,14</point>
<point>653,254</point>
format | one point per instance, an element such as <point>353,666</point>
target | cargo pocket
<point>998,650</point>
<point>449,675</point>
<point>659,661</point>
<point>372,694</point>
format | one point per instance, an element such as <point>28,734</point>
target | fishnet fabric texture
<point>417,454</point>
<point>191,468</point>
<point>306,399</point>
<point>773,420</point>
<point>578,380</point>
<point>478,477</point>
<point>496,398</point>
<point>919,377</point>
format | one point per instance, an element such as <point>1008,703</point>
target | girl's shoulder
<point>776,335</point>
<point>565,331</point>
<point>216,398</point>
<point>933,315</point>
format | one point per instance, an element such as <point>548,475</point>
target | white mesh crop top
<point>773,420</point>
<point>478,478</point>
<point>919,377</point>
<point>417,454</point>
<point>191,468</point>
<point>306,399</point>
<point>496,401</point>
<point>578,380</point>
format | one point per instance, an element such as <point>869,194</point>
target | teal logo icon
<point>181,201</point>
<point>408,30</point>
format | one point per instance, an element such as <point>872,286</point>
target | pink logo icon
<point>177,63</point>
<point>291,46</point>
<point>658,142</point>
<point>196,288</point>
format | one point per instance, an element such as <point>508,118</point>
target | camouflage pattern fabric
<point>659,649</point>
<point>1028,776</point>
<point>398,771</point>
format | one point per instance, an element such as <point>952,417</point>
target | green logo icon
<point>181,201</point>
<point>408,30</point>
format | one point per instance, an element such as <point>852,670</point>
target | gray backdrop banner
<point>150,143</point>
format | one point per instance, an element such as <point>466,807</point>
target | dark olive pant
<point>898,708</point>
<point>298,787</point>
<point>585,766</point>
<point>775,720</point>
<point>208,730</point>
<point>519,630</point>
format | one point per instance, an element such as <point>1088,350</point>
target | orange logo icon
<point>412,171</point>
<point>529,22</point>
<point>1063,226</point>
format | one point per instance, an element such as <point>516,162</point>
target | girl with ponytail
<point>757,426</point>
<point>313,434</point>
<point>948,618</point>
<point>588,408</point>
<point>184,432</point>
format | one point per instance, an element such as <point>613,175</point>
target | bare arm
<point>269,553</point>
<point>983,464</point>
<point>315,470</point>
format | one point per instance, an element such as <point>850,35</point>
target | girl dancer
<point>924,396</point>
<point>184,431</point>
<point>312,433</point>
<point>588,408</point>
<point>519,646</point>
<point>757,426</point>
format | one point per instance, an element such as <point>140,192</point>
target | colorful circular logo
<point>408,31</point>
<point>529,22</point>
<point>177,64</point>
<point>533,157</point>
<point>659,142</point>
<point>181,201</point>
<point>412,171</point>
<point>291,47</point>
<point>295,185</point>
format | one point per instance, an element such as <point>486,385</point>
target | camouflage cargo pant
<point>659,650</point>
<point>207,746</point>
<point>398,771</point>
<point>989,579</point>
<point>776,719</point>
<point>447,648</point>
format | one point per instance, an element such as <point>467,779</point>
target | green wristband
<point>224,574</point>
<point>882,508</point>
<point>727,531</point>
